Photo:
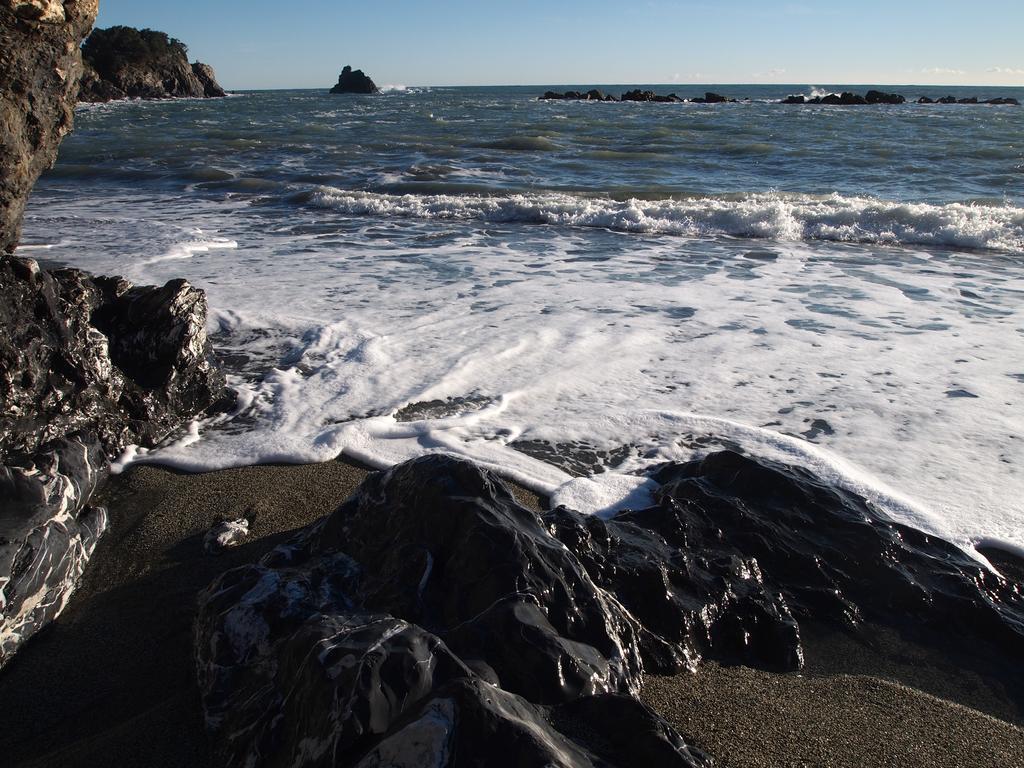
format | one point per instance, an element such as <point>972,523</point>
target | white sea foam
<point>774,216</point>
<point>671,346</point>
<point>189,248</point>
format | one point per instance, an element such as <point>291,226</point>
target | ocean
<point>573,293</point>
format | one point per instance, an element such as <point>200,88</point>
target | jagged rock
<point>795,99</point>
<point>88,365</point>
<point>354,81</point>
<point>123,62</point>
<point>591,95</point>
<point>925,100</point>
<point>40,65</point>
<point>714,98</point>
<point>204,74</point>
<point>430,600</point>
<point>947,100</point>
<point>971,100</point>
<point>81,353</point>
<point>880,97</point>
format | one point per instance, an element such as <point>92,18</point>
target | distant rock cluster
<point>878,97</point>
<point>634,95</point>
<point>354,81</point>
<point>127,63</point>
<point>845,98</point>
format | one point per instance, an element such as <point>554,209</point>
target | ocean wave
<point>770,215</point>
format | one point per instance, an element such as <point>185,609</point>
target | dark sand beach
<point>112,681</point>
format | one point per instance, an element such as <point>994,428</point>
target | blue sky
<point>304,44</point>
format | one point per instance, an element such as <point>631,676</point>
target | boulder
<point>1003,101</point>
<point>638,95</point>
<point>87,366</point>
<point>971,100</point>
<point>123,62</point>
<point>714,98</point>
<point>795,99</point>
<point>925,100</point>
<point>354,81</point>
<point>947,100</point>
<point>430,609</point>
<point>40,66</point>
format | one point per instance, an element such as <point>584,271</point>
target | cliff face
<point>122,62</point>
<point>40,65</point>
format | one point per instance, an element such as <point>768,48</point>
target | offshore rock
<point>354,81</point>
<point>40,66</point>
<point>431,620</point>
<point>880,97</point>
<point>88,365</point>
<point>429,611</point>
<point>126,63</point>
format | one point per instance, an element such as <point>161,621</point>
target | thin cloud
<point>942,71</point>
<point>1006,71</point>
<point>770,73</point>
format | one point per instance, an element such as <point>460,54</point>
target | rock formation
<point>126,63</point>
<point>431,620</point>
<point>40,65</point>
<point>87,366</point>
<point>354,81</point>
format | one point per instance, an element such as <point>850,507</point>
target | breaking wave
<point>771,215</point>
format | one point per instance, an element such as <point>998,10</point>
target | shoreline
<point>113,679</point>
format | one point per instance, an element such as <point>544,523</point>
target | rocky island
<point>354,81</point>
<point>844,99</point>
<point>127,63</point>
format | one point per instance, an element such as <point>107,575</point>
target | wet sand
<point>112,681</point>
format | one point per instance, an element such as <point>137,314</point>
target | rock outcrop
<point>40,65</point>
<point>354,81</point>
<point>431,620</point>
<point>88,365</point>
<point>126,63</point>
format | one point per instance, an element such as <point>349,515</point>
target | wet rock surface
<point>40,65</point>
<point>88,365</point>
<point>354,81</point>
<point>431,620</point>
<point>126,63</point>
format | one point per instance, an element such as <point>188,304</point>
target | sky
<point>255,44</point>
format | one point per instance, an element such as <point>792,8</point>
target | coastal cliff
<point>40,65</point>
<point>126,63</point>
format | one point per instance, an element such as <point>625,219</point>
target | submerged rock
<point>40,66</point>
<point>127,63</point>
<point>88,365</point>
<point>354,81</point>
<point>430,619</point>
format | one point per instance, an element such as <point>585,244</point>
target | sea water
<point>573,293</point>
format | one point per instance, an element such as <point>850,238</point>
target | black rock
<point>354,81</point>
<point>879,97</point>
<point>947,100</point>
<point>925,100</point>
<point>971,100</point>
<point>431,601</point>
<point>1003,101</point>
<point>123,62</point>
<point>714,98</point>
<point>796,99</point>
<point>88,366</point>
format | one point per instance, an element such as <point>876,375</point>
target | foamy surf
<point>769,216</point>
